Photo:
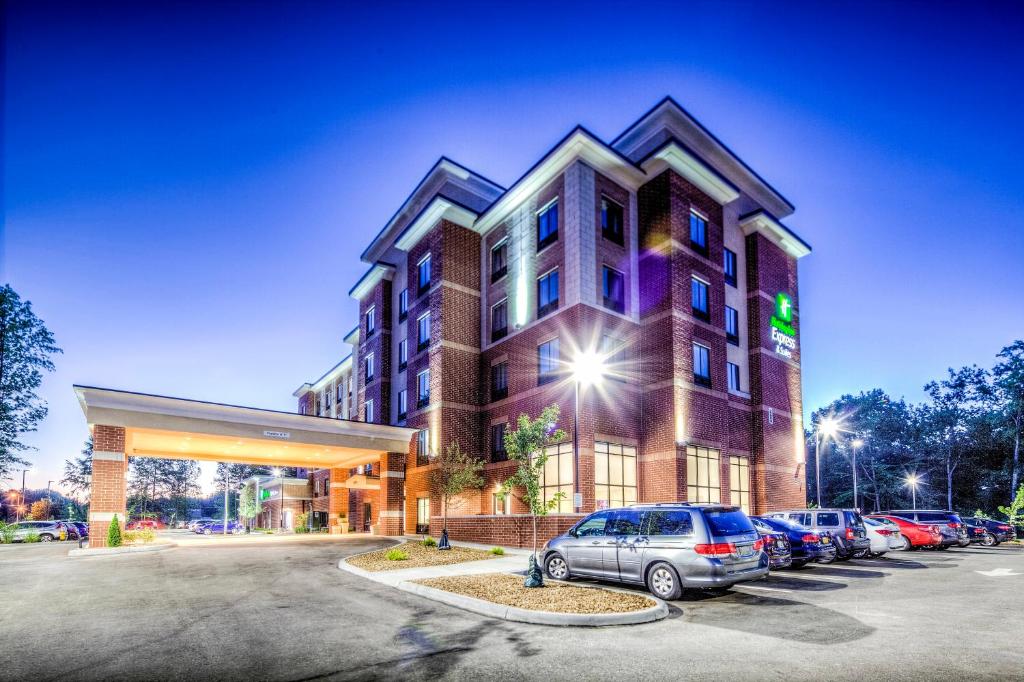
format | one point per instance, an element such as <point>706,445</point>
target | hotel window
<point>547,293</point>
<point>611,220</point>
<point>499,260</point>
<point>499,381</point>
<point>423,274</point>
<point>702,475</point>
<point>403,305</point>
<point>556,476</point>
<point>547,362</point>
<point>423,389</point>
<point>422,514</point>
<point>699,233</point>
<point>371,320</point>
<point>732,326</point>
<point>502,504</point>
<point>498,453</point>
<point>734,376</point>
<point>422,447</point>
<point>701,365</point>
<point>499,320</point>
<point>403,404</point>
<point>729,266</point>
<point>699,299</point>
<point>614,475</point>
<point>739,483</point>
<point>340,392</point>
<point>422,332</point>
<point>613,351</point>
<point>613,285</point>
<point>369,368</point>
<point>368,411</point>
<point>547,226</point>
<point>327,398</point>
<point>403,354</point>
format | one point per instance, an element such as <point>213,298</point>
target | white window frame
<point>368,411</point>
<point>371,320</point>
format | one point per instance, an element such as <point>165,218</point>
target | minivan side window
<point>595,525</point>
<point>853,518</point>
<point>669,523</point>
<point>829,519</point>
<point>624,522</point>
<point>932,517</point>
<point>802,519</point>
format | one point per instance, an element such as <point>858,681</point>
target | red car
<point>917,535</point>
<point>143,524</point>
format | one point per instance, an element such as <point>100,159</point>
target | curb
<point>114,551</point>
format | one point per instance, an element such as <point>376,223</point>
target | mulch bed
<point>508,589</point>
<point>419,556</point>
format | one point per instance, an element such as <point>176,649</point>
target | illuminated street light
<point>277,471</point>
<point>912,480</point>
<point>588,369</point>
<point>857,444</point>
<point>827,427</point>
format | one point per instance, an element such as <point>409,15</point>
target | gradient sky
<point>187,189</point>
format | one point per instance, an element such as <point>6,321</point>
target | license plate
<point>825,540</point>
<point>748,550</point>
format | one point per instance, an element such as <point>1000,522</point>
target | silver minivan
<point>667,547</point>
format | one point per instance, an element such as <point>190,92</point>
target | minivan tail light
<point>811,538</point>
<point>759,544</point>
<point>849,533</point>
<point>715,549</point>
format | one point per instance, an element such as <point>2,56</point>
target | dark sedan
<point>776,545</point>
<point>1000,531</point>
<point>805,545</point>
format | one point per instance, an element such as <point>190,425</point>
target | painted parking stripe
<point>764,587</point>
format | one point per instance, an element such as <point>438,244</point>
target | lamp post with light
<point>280,498</point>
<point>588,369</point>
<point>912,480</point>
<point>827,427</point>
<point>856,444</point>
<point>21,509</point>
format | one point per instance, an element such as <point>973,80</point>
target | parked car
<point>83,529</point>
<point>950,525</point>
<point>915,535</point>
<point>805,545</point>
<point>145,524</point>
<point>48,531</point>
<point>844,525</point>
<point>1000,531</point>
<point>978,534</point>
<point>776,545</point>
<point>667,547</point>
<point>71,529</point>
<point>196,523</point>
<point>218,527</point>
<point>884,536</point>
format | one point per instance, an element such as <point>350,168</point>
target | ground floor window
<point>557,476</point>
<point>739,482</point>
<point>614,475</point>
<point>422,514</point>
<point>702,475</point>
<point>501,504</point>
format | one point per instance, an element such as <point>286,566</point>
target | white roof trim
<point>439,208</point>
<point>367,282</point>
<point>694,170</point>
<point>776,232</point>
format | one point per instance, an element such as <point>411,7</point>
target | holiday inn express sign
<point>783,334</point>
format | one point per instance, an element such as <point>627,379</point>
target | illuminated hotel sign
<point>783,334</point>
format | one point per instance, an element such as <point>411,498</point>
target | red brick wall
<point>513,530</point>
<point>109,482</point>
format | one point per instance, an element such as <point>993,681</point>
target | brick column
<point>392,489</point>
<point>337,508</point>
<point>109,482</point>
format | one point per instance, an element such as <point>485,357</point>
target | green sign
<point>783,333</point>
<point>264,494</point>
<point>784,307</point>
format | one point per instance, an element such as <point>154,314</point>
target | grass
<point>417,555</point>
<point>497,551</point>
<point>396,555</point>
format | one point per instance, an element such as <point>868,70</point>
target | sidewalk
<point>514,561</point>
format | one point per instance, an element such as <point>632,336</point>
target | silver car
<point>667,547</point>
<point>48,531</point>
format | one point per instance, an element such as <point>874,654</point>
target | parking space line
<point>763,587</point>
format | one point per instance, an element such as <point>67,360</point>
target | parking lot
<point>284,611</point>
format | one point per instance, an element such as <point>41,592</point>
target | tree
<point>526,446</point>
<point>1015,512</point>
<point>40,510</point>
<point>78,471</point>
<point>1008,384</point>
<point>455,472</point>
<point>247,507</point>
<point>25,349</point>
<point>114,533</point>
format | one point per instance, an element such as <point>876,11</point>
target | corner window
<point>614,352</point>
<point>499,381</point>
<point>422,332</point>
<point>729,266</point>
<point>614,475</point>
<point>557,476</point>
<point>499,260</point>
<point>701,365</point>
<point>739,483</point>
<point>547,293</point>
<point>403,404</point>
<point>699,234</point>
<point>369,368</point>
<point>422,447</point>
<point>613,285</point>
<point>368,415</point>
<point>423,389</point>
<point>499,320</point>
<point>699,299</point>
<point>547,362</point>
<point>423,274</point>
<point>498,453</point>
<point>547,226</point>
<point>422,514</point>
<point>732,326</point>
<point>734,376</point>
<point>403,354</point>
<point>702,475</point>
<point>403,305</point>
<point>611,220</point>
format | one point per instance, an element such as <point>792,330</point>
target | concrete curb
<point>113,551</point>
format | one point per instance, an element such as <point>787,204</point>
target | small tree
<point>1015,512</point>
<point>456,472</point>
<point>247,507</point>
<point>114,533</point>
<point>41,510</point>
<point>525,445</point>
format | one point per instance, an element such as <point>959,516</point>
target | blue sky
<point>188,187</point>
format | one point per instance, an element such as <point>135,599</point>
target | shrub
<point>32,537</point>
<point>114,533</point>
<point>6,533</point>
<point>396,555</point>
<point>137,537</point>
<point>301,529</point>
<point>429,542</point>
<point>497,551</point>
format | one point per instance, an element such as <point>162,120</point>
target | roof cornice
<point>680,158</point>
<point>439,208</point>
<point>366,283</point>
<point>769,226</point>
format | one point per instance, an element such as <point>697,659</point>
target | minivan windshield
<point>728,522</point>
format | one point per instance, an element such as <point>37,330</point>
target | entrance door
<point>367,509</point>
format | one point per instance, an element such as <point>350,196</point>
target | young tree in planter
<point>114,533</point>
<point>525,445</point>
<point>1015,512</point>
<point>455,473</point>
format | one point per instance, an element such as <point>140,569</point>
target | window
<point>702,475</point>
<point>327,398</point>
<point>499,260</point>
<point>739,483</point>
<point>403,305</point>
<point>498,453</point>
<point>624,522</point>
<point>828,519</point>
<point>547,361</point>
<point>369,368</point>
<point>403,354</point>
<point>368,411</point>
<point>614,475</point>
<point>422,447</point>
<point>701,365</point>
<point>422,515</point>
<point>699,234</point>
<point>371,320</point>
<point>699,299</point>
<point>594,526</point>
<point>666,522</point>
<point>403,404</point>
<point>422,332</point>
<point>611,220</point>
<point>613,285</point>
<point>547,293</point>
<point>734,376</point>
<point>499,381</point>
<point>732,326</point>
<point>556,476</point>
<point>547,226</point>
<point>423,274</point>
<point>499,320</point>
<point>501,504</point>
<point>729,266</point>
<point>614,352</point>
<point>423,389</point>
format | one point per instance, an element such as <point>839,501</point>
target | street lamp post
<point>587,369</point>
<point>280,498</point>
<point>857,443</point>
<point>21,509</point>
<point>827,427</point>
<point>912,481</point>
<point>227,482</point>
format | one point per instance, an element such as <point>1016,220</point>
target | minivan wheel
<point>663,582</point>
<point>556,567</point>
<point>46,538</point>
